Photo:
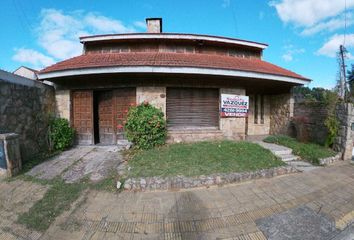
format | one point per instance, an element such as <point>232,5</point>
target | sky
<point>303,35</point>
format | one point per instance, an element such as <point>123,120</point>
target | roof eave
<point>172,70</point>
<point>172,36</point>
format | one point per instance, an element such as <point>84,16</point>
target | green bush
<point>61,134</point>
<point>146,126</point>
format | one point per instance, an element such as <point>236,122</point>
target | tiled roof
<point>170,60</point>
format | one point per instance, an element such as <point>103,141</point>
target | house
<point>26,72</point>
<point>209,87</point>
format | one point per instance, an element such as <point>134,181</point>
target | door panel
<point>123,99</point>
<point>105,117</point>
<point>83,116</point>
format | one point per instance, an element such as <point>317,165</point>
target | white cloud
<point>314,16</point>
<point>290,52</point>
<point>331,47</point>
<point>309,12</point>
<point>140,24</point>
<point>36,59</point>
<point>329,26</point>
<point>58,32</point>
<point>104,24</point>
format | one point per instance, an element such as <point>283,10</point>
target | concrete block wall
<point>63,103</point>
<point>156,96</point>
<point>258,128</point>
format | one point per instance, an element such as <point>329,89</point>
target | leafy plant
<point>61,135</point>
<point>327,98</point>
<point>332,126</point>
<point>146,126</point>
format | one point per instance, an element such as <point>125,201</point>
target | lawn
<point>56,200</point>
<point>307,151</point>
<point>201,158</point>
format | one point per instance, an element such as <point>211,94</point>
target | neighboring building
<point>185,75</point>
<point>26,72</point>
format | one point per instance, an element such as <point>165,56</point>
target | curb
<point>330,160</point>
<point>182,182</point>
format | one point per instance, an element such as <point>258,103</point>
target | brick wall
<point>25,107</point>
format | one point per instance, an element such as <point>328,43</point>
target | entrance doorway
<point>99,115</point>
<point>103,117</point>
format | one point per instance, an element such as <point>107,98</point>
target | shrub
<point>61,135</point>
<point>145,126</point>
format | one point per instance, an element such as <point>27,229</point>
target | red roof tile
<point>170,60</point>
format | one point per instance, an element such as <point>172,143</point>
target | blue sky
<point>303,35</point>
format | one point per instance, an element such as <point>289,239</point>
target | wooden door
<point>123,99</point>
<point>105,117</point>
<point>83,116</point>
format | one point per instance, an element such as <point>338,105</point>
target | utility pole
<point>342,73</point>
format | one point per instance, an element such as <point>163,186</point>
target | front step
<point>288,157</point>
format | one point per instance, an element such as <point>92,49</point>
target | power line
<point>345,21</point>
<point>234,16</point>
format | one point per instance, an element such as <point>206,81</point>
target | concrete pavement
<point>325,195</point>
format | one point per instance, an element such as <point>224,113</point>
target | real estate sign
<point>234,105</point>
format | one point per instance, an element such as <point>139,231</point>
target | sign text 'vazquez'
<point>234,105</point>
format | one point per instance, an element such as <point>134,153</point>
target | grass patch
<point>307,151</point>
<point>55,201</point>
<point>201,158</point>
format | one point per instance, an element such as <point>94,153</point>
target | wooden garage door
<point>83,116</point>
<point>192,108</point>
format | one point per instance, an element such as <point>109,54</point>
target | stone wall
<point>308,125</point>
<point>281,112</point>
<point>156,96</point>
<point>258,128</point>
<point>233,128</point>
<point>25,107</point>
<point>63,104</point>
<point>308,122</point>
<point>344,140</point>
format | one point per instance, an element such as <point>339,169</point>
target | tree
<point>350,79</point>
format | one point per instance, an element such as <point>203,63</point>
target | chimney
<point>154,25</point>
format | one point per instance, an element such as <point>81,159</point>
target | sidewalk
<point>261,209</point>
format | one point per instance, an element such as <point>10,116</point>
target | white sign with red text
<point>234,105</point>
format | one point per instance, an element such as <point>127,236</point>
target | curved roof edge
<point>175,36</point>
<point>173,70</point>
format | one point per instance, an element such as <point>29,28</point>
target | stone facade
<point>178,136</point>
<point>281,112</point>
<point>25,108</point>
<point>63,104</point>
<point>182,182</point>
<point>259,128</point>
<point>156,96</point>
<point>233,128</point>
